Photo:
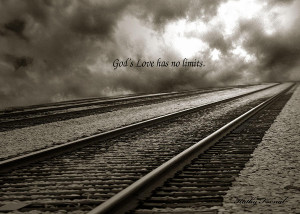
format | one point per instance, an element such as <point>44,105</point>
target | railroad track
<point>69,103</point>
<point>62,148</point>
<point>196,180</point>
<point>98,101</point>
<point>80,108</point>
<point>82,179</point>
<point>95,100</point>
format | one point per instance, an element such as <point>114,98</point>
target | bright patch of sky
<point>240,52</point>
<point>227,17</point>
<point>230,12</point>
<point>187,46</point>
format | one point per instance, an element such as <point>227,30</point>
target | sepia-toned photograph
<point>150,106</point>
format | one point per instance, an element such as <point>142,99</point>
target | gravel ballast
<point>270,181</point>
<point>22,140</point>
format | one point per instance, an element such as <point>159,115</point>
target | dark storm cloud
<point>279,2</point>
<point>98,20</point>
<point>47,45</point>
<point>162,11</point>
<point>18,62</point>
<point>215,39</point>
<point>17,26</point>
<point>277,54</point>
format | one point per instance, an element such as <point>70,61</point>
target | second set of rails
<point>10,120</point>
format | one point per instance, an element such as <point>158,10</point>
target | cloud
<point>48,45</point>
<point>216,39</point>
<point>54,50</point>
<point>278,54</point>
<point>164,11</point>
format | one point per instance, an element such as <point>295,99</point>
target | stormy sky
<point>57,50</point>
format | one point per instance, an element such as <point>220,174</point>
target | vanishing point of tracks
<point>82,179</point>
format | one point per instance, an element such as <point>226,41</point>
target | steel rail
<point>54,105</point>
<point>9,164</point>
<point>59,116</point>
<point>91,99</point>
<point>78,104</point>
<point>77,101</point>
<point>129,198</point>
<point>102,101</point>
